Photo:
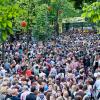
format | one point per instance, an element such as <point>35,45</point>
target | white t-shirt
<point>42,74</point>
<point>97,84</point>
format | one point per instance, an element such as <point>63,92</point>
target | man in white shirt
<point>2,72</point>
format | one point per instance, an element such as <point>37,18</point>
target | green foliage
<point>42,21</point>
<point>8,11</point>
<point>41,28</point>
<point>61,9</point>
<point>66,8</point>
<point>39,19</point>
<point>92,12</point>
<point>78,4</point>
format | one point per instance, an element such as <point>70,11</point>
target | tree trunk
<point>56,25</point>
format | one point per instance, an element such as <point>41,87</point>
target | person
<point>53,72</point>
<point>28,72</point>
<point>32,95</point>
<point>15,94</point>
<point>3,90</point>
<point>2,72</point>
<point>65,95</point>
<point>9,94</point>
<point>86,62</point>
<point>96,63</point>
<point>42,74</point>
<point>80,91</point>
<point>45,85</point>
<point>97,84</point>
<point>55,69</point>
<point>36,70</point>
<point>25,93</point>
<point>7,66</point>
<point>78,97</point>
<point>41,95</point>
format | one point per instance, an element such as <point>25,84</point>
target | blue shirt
<point>7,65</point>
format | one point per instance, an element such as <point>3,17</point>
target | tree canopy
<point>42,16</point>
<point>92,12</point>
<point>9,10</point>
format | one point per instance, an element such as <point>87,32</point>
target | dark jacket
<point>31,96</point>
<point>15,98</point>
<point>8,97</point>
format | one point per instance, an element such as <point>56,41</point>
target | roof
<point>73,20</point>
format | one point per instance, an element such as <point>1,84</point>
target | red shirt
<point>28,73</point>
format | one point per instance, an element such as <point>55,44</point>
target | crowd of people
<point>66,67</point>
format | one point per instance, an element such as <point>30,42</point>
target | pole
<point>56,23</point>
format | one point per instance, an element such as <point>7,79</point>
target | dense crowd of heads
<point>66,67</point>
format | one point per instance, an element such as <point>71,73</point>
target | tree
<point>59,9</point>
<point>41,28</point>
<point>36,17</point>
<point>92,12</point>
<point>27,15</point>
<point>44,14</point>
<point>8,11</point>
<point>78,4</point>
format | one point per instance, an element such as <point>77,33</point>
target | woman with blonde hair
<point>3,91</point>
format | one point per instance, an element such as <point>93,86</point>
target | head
<point>33,89</point>
<point>9,91</point>
<point>3,90</point>
<point>34,82</point>
<point>80,87</point>
<point>85,87</point>
<point>74,88</point>
<point>25,88</point>
<point>41,89</point>
<point>52,97</point>
<point>14,92</point>
<point>59,93</point>
<point>78,97</point>
<point>66,94</point>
